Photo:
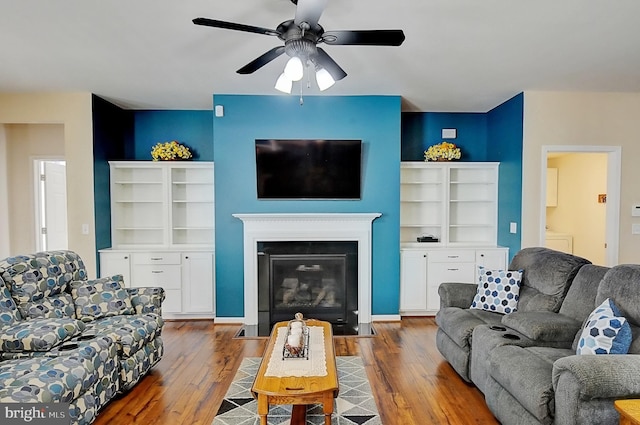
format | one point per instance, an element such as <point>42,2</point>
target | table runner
<point>315,366</point>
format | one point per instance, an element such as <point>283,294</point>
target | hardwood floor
<point>411,381</point>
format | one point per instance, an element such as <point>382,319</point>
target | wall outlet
<point>85,229</point>
<point>513,227</point>
<point>635,229</point>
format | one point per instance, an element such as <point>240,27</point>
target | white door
<point>55,204</point>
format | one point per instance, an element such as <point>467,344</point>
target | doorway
<point>582,217</point>
<point>50,181</point>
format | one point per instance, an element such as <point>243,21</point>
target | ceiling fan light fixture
<point>294,69</point>
<point>284,84</point>
<point>324,79</point>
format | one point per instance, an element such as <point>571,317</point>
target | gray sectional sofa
<point>526,362</point>
<point>67,339</point>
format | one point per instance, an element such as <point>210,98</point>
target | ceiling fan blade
<point>365,37</point>
<point>233,26</point>
<point>325,61</point>
<point>261,61</point>
<point>309,11</point>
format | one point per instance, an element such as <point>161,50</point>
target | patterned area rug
<point>354,406</point>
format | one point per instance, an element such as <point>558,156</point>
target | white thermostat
<point>635,211</point>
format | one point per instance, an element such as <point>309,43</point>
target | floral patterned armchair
<point>65,338</point>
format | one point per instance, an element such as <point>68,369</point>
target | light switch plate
<point>635,229</point>
<point>513,227</point>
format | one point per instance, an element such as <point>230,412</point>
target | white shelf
<point>455,202</point>
<point>162,204</point>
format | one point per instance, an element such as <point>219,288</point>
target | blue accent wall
<point>192,128</point>
<point>388,136</point>
<point>505,133</point>
<point>423,129</point>
<point>112,133</point>
<point>373,119</point>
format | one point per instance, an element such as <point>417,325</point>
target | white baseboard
<point>385,318</point>
<point>229,320</point>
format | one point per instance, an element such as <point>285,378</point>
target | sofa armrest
<point>544,326</point>
<point>147,299</point>
<point>591,377</point>
<point>454,294</point>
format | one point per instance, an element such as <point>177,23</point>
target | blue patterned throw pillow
<point>498,290</point>
<point>605,331</point>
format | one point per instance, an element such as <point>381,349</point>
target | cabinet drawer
<point>166,276</point>
<point>452,272</point>
<point>457,256</point>
<point>156,258</point>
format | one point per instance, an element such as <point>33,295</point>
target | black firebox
<point>318,279</point>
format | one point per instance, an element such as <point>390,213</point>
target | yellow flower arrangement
<point>168,151</point>
<point>444,151</point>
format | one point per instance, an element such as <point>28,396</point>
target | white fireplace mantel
<point>306,227</point>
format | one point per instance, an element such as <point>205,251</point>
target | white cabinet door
<point>113,263</point>
<point>413,280</point>
<point>197,282</point>
<point>494,259</point>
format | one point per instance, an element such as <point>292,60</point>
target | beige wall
<point>4,212</point>
<point>24,143</point>
<point>562,118</point>
<point>581,178</point>
<point>74,112</point>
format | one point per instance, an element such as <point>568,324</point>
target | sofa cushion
<point>104,297</point>
<point>45,380</point>
<point>9,313</point>
<point>530,385</point>
<point>498,290</point>
<point>581,296</point>
<point>605,332</point>
<point>543,325</point>
<point>41,275</point>
<point>129,332</point>
<point>546,278</point>
<point>38,334</point>
<point>458,323</point>
<point>55,306</point>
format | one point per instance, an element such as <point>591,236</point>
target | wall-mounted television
<point>308,169</point>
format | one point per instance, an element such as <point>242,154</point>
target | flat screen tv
<point>308,169</point>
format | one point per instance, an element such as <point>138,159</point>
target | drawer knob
<point>156,271</point>
<point>453,270</point>
<point>156,258</point>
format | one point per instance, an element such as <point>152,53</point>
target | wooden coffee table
<point>297,390</point>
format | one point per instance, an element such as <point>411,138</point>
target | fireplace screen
<point>313,284</point>
<point>316,278</point>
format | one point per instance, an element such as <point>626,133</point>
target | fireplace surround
<point>273,227</point>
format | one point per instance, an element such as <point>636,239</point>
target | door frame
<point>614,167</point>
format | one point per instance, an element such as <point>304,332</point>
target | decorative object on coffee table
<point>444,151</point>
<point>296,344</point>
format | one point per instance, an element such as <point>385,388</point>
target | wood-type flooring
<point>411,382</point>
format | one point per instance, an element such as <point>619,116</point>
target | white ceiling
<point>458,56</point>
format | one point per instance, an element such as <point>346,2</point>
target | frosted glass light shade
<point>294,69</point>
<point>324,79</point>
<point>284,84</point>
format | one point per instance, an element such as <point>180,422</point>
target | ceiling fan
<point>301,37</point>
